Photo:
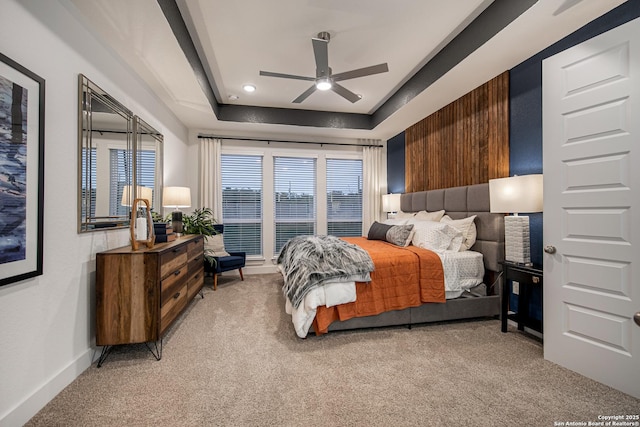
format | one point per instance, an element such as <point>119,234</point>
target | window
<point>120,165</point>
<point>146,167</point>
<point>344,197</point>
<point>294,198</point>
<point>242,203</point>
<point>89,176</point>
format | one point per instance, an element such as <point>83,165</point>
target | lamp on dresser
<point>176,197</point>
<point>390,203</point>
<point>516,194</point>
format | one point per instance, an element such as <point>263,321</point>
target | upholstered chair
<point>234,261</point>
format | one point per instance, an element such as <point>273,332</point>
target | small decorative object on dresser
<point>141,225</point>
<point>140,293</point>
<point>164,232</point>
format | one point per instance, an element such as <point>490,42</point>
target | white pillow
<point>429,216</point>
<point>404,215</point>
<point>436,236</point>
<point>215,244</point>
<point>466,226</point>
<point>395,221</point>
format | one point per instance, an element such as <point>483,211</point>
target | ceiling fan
<point>324,79</point>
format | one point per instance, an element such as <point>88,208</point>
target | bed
<point>472,290</point>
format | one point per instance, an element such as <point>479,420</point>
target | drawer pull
<point>535,279</point>
<point>175,273</point>
<point>176,295</point>
<point>176,250</point>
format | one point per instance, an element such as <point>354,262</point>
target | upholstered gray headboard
<point>461,202</point>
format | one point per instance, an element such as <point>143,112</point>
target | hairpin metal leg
<point>104,354</point>
<point>158,349</point>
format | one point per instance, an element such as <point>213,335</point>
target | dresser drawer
<point>195,282</point>
<point>172,283</point>
<point>195,247</point>
<point>172,307</point>
<point>173,260</point>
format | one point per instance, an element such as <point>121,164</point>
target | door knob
<point>636,318</point>
<point>550,249</point>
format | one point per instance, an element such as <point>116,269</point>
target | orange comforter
<point>403,277</point>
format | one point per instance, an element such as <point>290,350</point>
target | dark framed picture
<point>21,172</point>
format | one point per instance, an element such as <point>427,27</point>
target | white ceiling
<point>237,39</point>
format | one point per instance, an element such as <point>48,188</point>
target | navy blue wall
<point>395,164</point>
<point>525,116</point>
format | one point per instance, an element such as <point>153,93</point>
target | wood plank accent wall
<point>464,143</point>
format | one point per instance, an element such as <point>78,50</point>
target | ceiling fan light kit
<point>323,83</point>
<point>325,79</point>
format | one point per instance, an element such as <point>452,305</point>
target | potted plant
<point>201,221</point>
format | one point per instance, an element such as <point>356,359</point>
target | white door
<point>591,133</point>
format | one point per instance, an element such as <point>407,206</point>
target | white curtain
<point>372,159</point>
<point>211,176</point>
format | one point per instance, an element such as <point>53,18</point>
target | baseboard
<point>260,269</point>
<point>30,406</point>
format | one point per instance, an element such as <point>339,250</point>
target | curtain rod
<point>289,142</point>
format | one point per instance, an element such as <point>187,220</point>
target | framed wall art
<point>21,172</point>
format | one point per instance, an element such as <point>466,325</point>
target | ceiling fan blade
<point>286,76</point>
<point>304,95</point>
<point>345,93</point>
<point>321,52</point>
<point>361,72</point>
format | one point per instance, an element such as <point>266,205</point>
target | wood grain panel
<point>464,143</point>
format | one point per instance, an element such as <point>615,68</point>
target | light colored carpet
<point>233,359</point>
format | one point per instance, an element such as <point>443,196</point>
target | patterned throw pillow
<point>378,231</point>
<point>399,235</point>
<point>436,236</point>
<point>466,226</point>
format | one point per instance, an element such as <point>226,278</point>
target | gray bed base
<point>458,202</point>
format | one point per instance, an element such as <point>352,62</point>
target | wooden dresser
<point>140,293</point>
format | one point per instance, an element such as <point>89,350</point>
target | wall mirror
<point>120,159</point>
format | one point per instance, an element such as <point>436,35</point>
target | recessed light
<point>249,88</point>
<point>233,97</point>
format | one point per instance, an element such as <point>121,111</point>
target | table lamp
<point>516,194</point>
<point>390,203</point>
<point>176,197</point>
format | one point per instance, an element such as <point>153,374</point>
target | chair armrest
<point>240,254</point>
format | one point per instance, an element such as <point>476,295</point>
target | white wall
<point>47,330</point>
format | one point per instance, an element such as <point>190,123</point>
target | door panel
<point>591,130</point>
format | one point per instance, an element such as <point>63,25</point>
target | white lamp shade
<point>176,197</point>
<point>390,202</point>
<point>142,193</point>
<point>516,194</point>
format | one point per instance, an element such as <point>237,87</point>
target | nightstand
<point>528,277</point>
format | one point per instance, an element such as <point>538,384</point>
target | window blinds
<point>294,198</point>
<point>242,203</point>
<point>344,197</point>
